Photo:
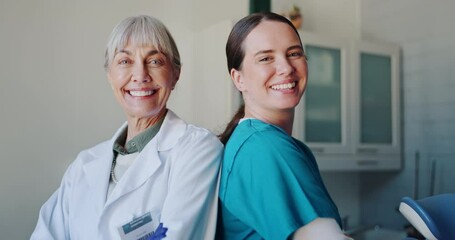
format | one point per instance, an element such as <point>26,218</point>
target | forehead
<point>270,35</point>
<point>133,38</point>
<point>130,48</point>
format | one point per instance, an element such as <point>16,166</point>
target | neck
<point>283,119</point>
<point>138,125</point>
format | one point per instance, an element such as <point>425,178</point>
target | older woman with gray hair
<point>157,176</point>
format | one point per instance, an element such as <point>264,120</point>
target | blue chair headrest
<point>436,213</point>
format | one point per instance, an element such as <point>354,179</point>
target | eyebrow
<point>269,50</point>
<point>149,53</point>
<point>263,52</point>
<point>295,46</point>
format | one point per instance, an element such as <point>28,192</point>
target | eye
<point>296,54</point>
<point>123,61</point>
<point>155,62</point>
<point>265,59</point>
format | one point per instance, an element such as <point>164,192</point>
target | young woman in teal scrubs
<point>271,187</point>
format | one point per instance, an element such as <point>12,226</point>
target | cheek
<point>259,76</point>
<point>165,79</point>
<point>170,82</point>
<point>118,79</point>
<point>303,69</point>
<point>266,71</point>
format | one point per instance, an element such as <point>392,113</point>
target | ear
<point>237,79</point>
<point>109,79</point>
<point>176,78</point>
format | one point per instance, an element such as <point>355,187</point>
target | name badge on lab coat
<point>139,228</point>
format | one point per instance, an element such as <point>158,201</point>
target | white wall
<point>331,18</point>
<point>425,31</point>
<point>54,97</point>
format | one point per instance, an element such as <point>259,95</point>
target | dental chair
<point>433,217</point>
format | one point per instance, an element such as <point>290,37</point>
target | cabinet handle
<point>366,163</point>
<point>317,150</point>
<point>367,150</point>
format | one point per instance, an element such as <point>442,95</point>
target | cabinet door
<point>213,82</point>
<point>321,116</point>
<point>378,99</point>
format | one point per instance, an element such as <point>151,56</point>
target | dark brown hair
<point>235,54</point>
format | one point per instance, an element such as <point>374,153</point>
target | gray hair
<point>142,31</point>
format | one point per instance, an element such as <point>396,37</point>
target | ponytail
<point>224,137</point>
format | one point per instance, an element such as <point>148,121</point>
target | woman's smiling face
<point>273,74</point>
<point>142,79</point>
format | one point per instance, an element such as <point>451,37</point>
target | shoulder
<point>98,151</point>
<point>185,140</point>
<point>274,141</point>
<point>199,139</point>
<point>263,138</point>
<point>196,133</point>
<point>88,157</point>
<point>93,156</point>
<point>258,147</point>
<point>253,129</point>
<point>190,134</point>
<point>255,146</point>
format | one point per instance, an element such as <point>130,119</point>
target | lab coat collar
<point>171,131</point>
<point>167,137</point>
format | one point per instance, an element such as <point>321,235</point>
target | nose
<point>284,67</point>
<point>140,73</point>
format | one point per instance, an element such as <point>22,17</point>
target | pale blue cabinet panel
<point>323,96</point>
<point>377,102</point>
<point>322,118</point>
<point>375,99</point>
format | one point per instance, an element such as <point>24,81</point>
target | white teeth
<point>283,86</point>
<point>141,93</point>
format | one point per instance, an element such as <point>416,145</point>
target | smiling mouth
<point>142,93</point>
<point>283,86</point>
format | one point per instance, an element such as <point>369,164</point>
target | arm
<point>53,215</point>
<point>190,208</point>
<point>319,229</point>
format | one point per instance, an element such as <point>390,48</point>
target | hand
<point>320,228</point>
<point>159,233</point>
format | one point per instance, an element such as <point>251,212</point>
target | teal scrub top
<point>270,185</point>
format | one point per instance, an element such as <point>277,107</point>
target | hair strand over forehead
<point>142,31</point>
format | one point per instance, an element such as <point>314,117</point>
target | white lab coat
<point>175,178</point>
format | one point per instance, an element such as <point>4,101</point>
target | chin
<point>140,114</point>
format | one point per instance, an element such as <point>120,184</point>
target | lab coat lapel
<point>100,165</point>
<point>145,165</point>
<point>150,159</point>
<point>97,173</point>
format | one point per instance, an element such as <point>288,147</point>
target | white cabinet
<point>350,113</point>
<point>322,119</point>
<point>378,98</point>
